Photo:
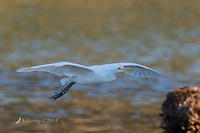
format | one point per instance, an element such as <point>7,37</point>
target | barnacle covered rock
<point>181,111</point>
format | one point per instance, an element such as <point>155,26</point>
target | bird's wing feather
<point>60,69</point>
<point>141,71</point>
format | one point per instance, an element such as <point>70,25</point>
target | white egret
<point>79,74</point>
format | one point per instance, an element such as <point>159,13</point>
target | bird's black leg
<point>62,92</point>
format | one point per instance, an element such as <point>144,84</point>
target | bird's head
<point>122,68</point>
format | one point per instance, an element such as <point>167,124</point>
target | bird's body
<point>99,74</point>
<point>79,74</point>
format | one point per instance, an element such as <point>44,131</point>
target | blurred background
<point>163,35</point>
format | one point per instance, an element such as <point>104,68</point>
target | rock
<point>181,111</point>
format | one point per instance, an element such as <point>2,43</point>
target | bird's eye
<point>119,68</point>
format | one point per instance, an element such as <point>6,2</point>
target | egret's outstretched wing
<point>141,71</point>
<point>60,69</point>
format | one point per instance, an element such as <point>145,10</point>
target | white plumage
<point>76,73</point>
<point>93,74</point>
<point>60,69</point>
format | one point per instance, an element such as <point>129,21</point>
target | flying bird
<point>80,74</point>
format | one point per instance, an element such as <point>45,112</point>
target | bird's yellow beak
<point>127,69</point>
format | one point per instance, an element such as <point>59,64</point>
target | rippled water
<point>163,35</point>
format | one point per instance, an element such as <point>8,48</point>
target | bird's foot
<point>56,95</point>
<point>61,92</point>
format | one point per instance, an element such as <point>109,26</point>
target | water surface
<point>163,35</point>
